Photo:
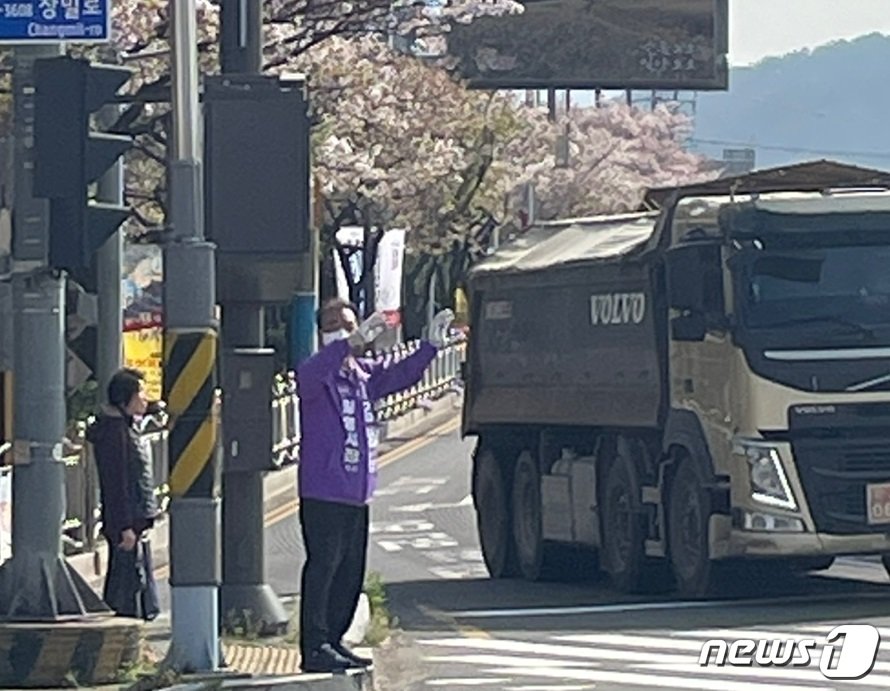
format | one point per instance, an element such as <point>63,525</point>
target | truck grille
<point>835,473</point>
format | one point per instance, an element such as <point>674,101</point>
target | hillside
<point>832,102</point>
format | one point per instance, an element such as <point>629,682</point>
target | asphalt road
<point>459,630</point>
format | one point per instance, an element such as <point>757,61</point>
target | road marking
<point>536,667</point>
<point>467,682</point>
<point>470,632</point>
<point>654,606</point>
<point>506,661</point>
<point>633,640</point>
<point>290,508</point>
<point>652,680</point>
<point>423,508</point>
<point>459,572</point>
<point>825,630</point>
<point>692,641</point>
<point>637,660</point>
<point>802,674</point>
<point>537,660</point>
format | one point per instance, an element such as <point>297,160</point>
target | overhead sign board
<point>606,44</point>
<point>55,21</point>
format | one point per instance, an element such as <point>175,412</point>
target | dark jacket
<point>126,480</point>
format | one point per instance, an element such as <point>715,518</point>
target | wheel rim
<point>689,524</point>
<point>620,525</point>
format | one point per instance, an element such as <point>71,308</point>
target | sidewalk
<point>274,663</point>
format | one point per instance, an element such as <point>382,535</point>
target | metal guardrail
<point>442,375</point>
<point>81,529</point>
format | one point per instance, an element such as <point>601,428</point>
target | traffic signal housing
<point>69,156</point>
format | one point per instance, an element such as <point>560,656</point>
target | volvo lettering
<point>618,308</point>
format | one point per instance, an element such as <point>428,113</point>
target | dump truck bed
<point>568,328</point>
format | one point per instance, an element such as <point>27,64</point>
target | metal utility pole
<point>303,338</point>
<point>109,340</point>
<point>190,353</point>
<point>244,588</point>
<point>242,36</point>
<point>37,583</point>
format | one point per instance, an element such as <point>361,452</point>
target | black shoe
<point>325,659</point>
<point>351,656</point>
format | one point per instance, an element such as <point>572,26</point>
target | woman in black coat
<point>129,506</point>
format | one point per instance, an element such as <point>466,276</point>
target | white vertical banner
<point>348,236</point>
<point>390,261</point>
<point>5,514</point>
<point>340,277</point>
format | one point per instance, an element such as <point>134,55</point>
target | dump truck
<point>682,390</point>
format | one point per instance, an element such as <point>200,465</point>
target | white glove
<point>439,328</point>
<point>369,330</point>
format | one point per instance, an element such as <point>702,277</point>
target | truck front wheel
<point>493,516</point>
<point>688,519</point>
<point>624,557</point>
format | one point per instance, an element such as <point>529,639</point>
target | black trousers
<point>336,541</point>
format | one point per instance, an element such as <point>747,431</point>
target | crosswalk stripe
<point>802,674</point>
<point>633,641</point>
<point>617,608</point>
<point>667,643</point>
<point>734,634</point>
<point>652,680</point>
<point>549,650</point>
<point>645,660</point>
<point>474,681</point>
<point>550,687</point>
<point>552,650</point>
<point>513,661</point>
<point>511,653</point>
<point>825,630</point>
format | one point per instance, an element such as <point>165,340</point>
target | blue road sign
<point>55,21</point>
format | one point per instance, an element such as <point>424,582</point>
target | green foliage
<point>83,401</point>
<point>381,622</point>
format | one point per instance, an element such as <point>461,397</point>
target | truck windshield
<point>836,285</point>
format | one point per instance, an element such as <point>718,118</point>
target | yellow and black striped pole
<point>190,391</point>
<point>190,373</point>
<point>191,332</point>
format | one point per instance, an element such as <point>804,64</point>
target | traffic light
<point>69,156</point>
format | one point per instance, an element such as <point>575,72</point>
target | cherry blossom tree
<point>397,141</point>
<point>611,155</point>
<point>295,36</point>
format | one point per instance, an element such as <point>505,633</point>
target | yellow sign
<point>144,350</point>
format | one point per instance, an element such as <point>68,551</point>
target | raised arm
<point>389,378</point>
<point>320,369</point>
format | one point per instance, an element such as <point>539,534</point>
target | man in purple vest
<point>338,470</point>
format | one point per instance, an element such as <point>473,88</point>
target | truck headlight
<point>769,485</point>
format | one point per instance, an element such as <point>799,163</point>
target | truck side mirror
<point>695,278</point>
<point>689,327</point>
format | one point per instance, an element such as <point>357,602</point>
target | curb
<point>358,680</point>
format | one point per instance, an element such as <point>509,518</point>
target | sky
<point>762,28</point>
